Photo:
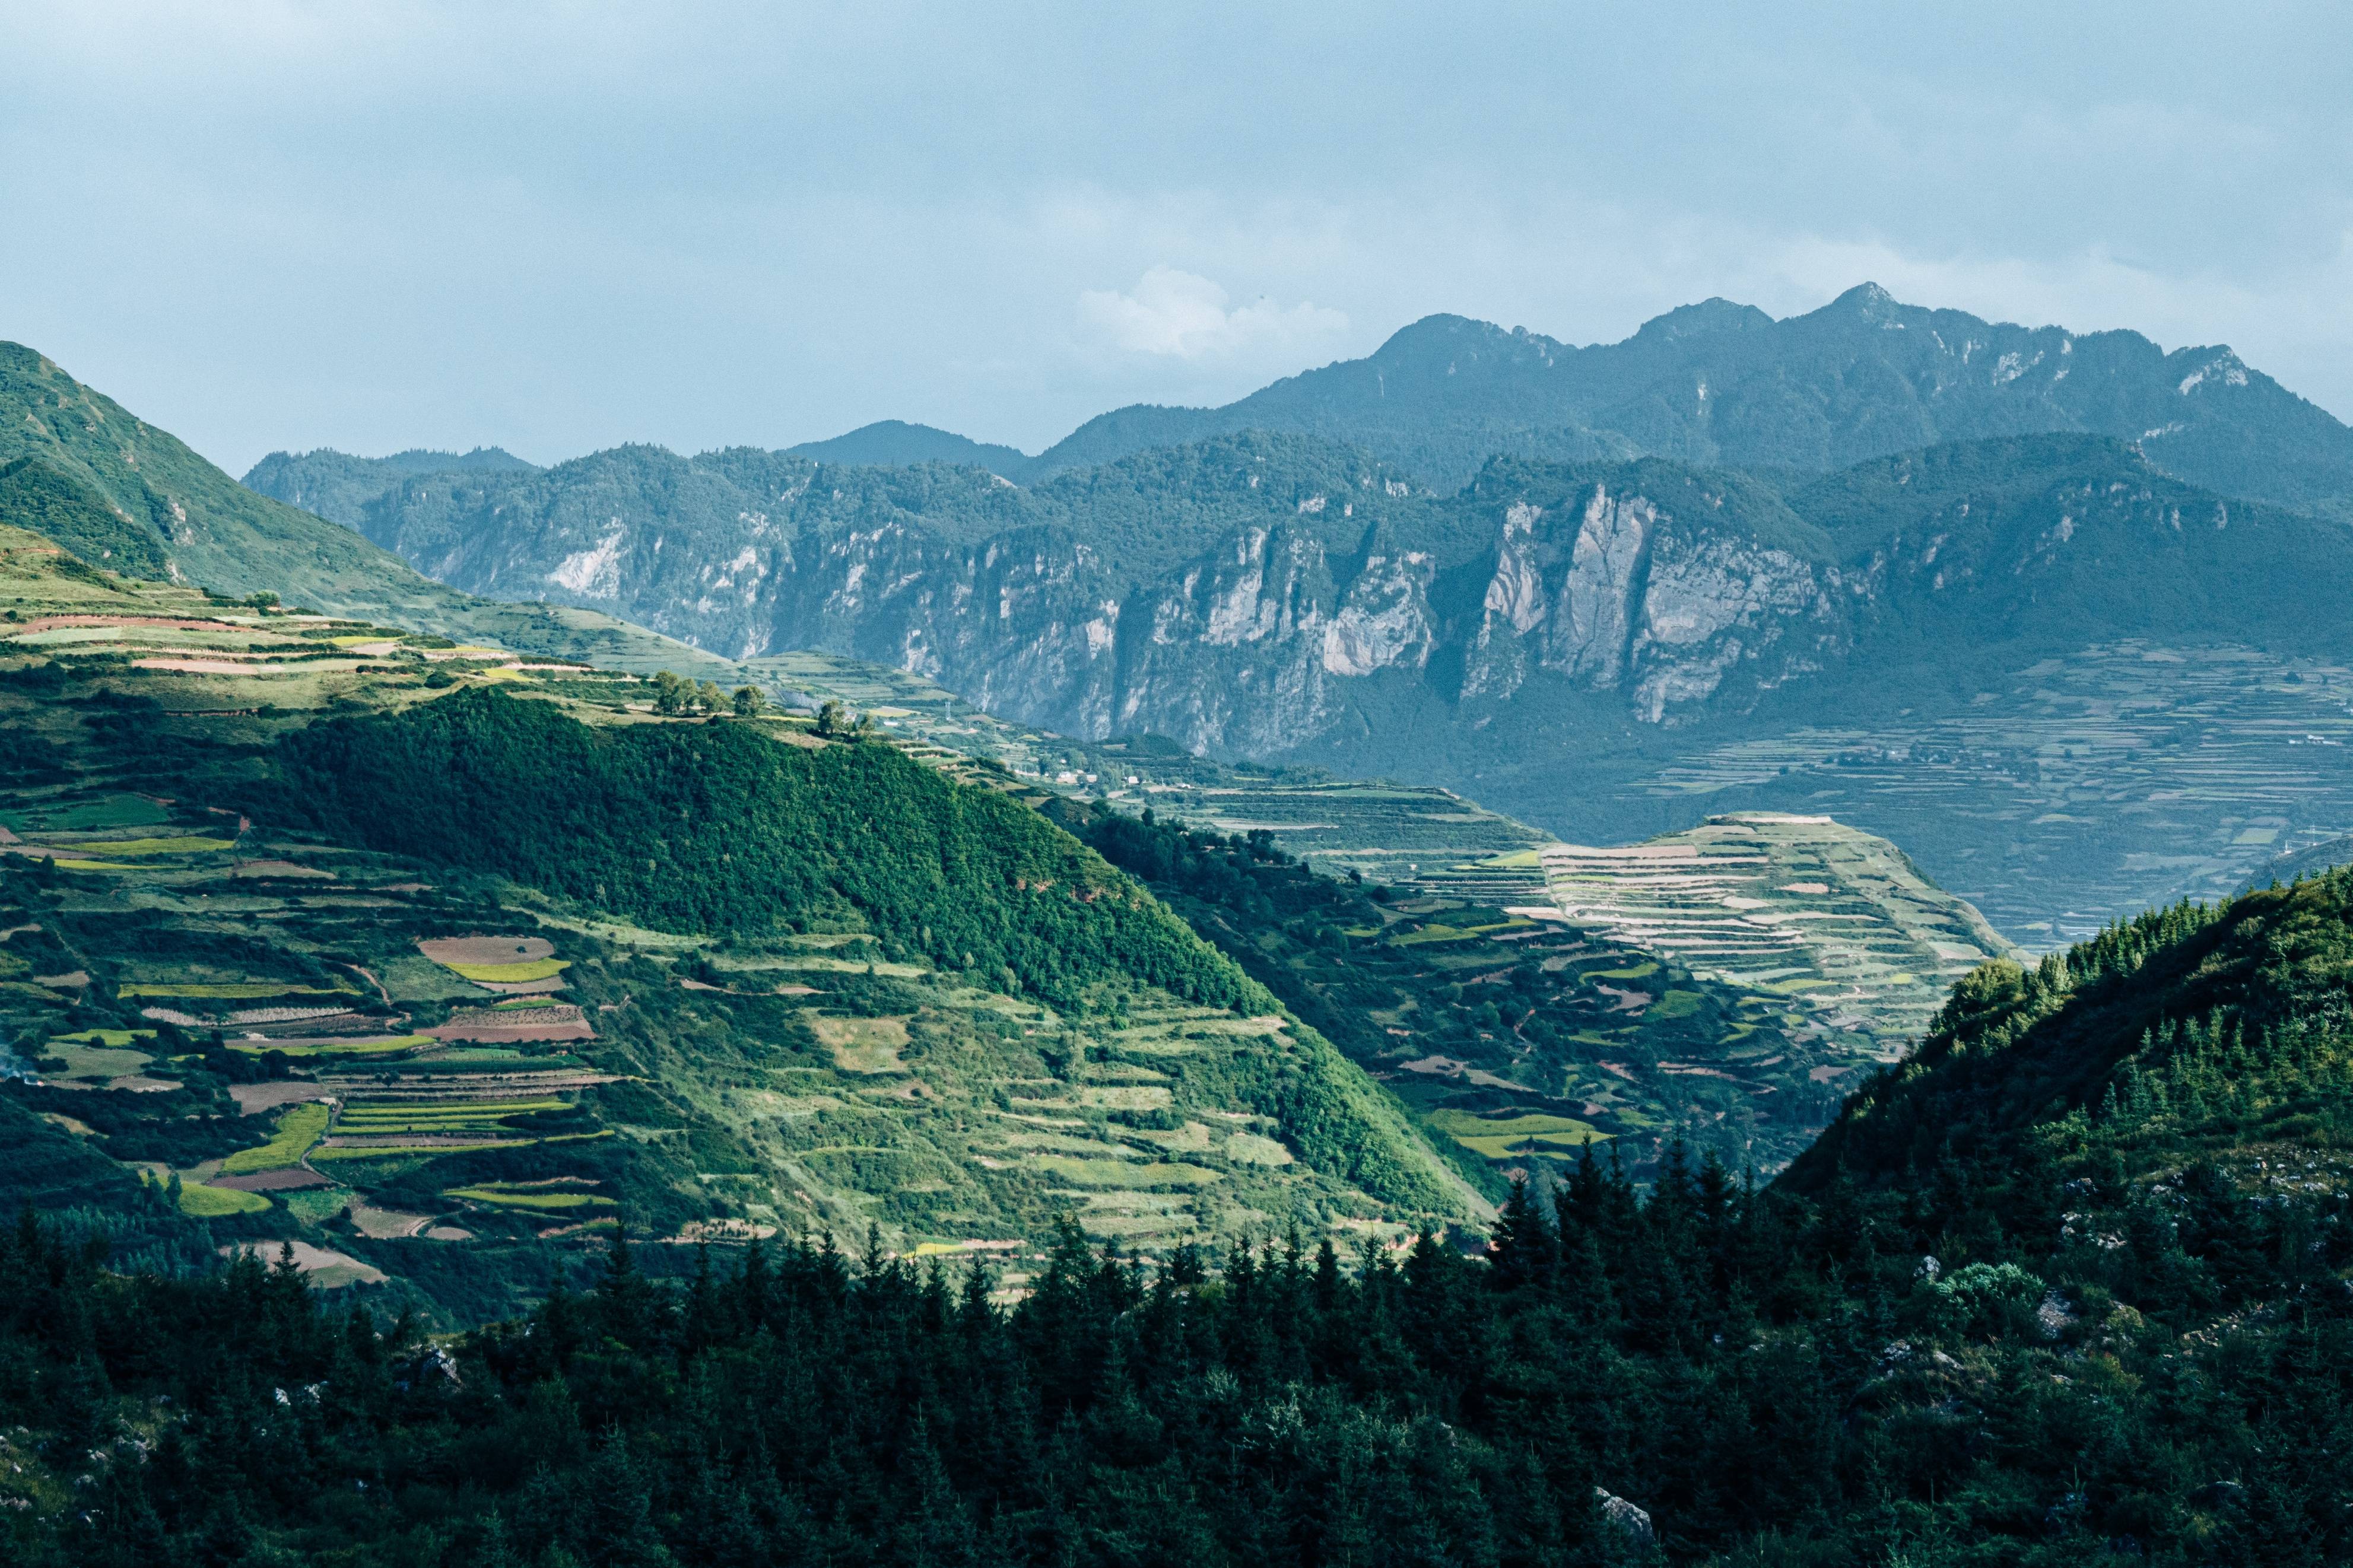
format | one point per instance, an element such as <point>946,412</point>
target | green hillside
<point>715,830</point>
<point>440,960</point>
<point>2195,1034</point>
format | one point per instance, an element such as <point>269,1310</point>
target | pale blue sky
<point>557,227</point>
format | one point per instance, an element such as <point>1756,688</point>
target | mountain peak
<point>1708,317</point>
<point>1868,301</point>
<point>1444,332</point>
<point>895,443</point>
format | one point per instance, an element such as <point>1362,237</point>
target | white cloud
<point>1182,315</point>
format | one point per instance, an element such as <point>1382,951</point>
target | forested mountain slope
<point>338,486</point>
<point>2195,1033</point>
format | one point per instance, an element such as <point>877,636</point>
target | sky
<point>558,227</point>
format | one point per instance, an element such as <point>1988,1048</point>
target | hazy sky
<point>558,227</point>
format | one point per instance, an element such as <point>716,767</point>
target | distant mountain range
<point>1714,383</point>
<point>1726,385</point>
<point>1559,579</point>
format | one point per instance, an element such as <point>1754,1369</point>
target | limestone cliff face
<point>1254,645</point>
<point>1618,596</point>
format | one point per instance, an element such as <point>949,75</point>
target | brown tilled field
<point>517,1026</point>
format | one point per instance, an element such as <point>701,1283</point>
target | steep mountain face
<point>1258,595</point>
<point>1725,384</point>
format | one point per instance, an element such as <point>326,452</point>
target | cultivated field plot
<point>981,1117</point>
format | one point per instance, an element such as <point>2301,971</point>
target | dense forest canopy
<point>713,827</point>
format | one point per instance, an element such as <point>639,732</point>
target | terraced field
<point>2128,776</point>
<point>1834,925</point>
<point>1654,1023</point>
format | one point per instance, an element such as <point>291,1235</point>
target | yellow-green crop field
<point>114,1040</point>
<point>301,1127</point>
<point>188,845</point>
<point>512,973</point>
<point>218,1203</point>
<point>410,1150</point>
<point>368,1048</point>
<point>1498,1137</point>
<point>399,1152</point>
<point>438,1119</point>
